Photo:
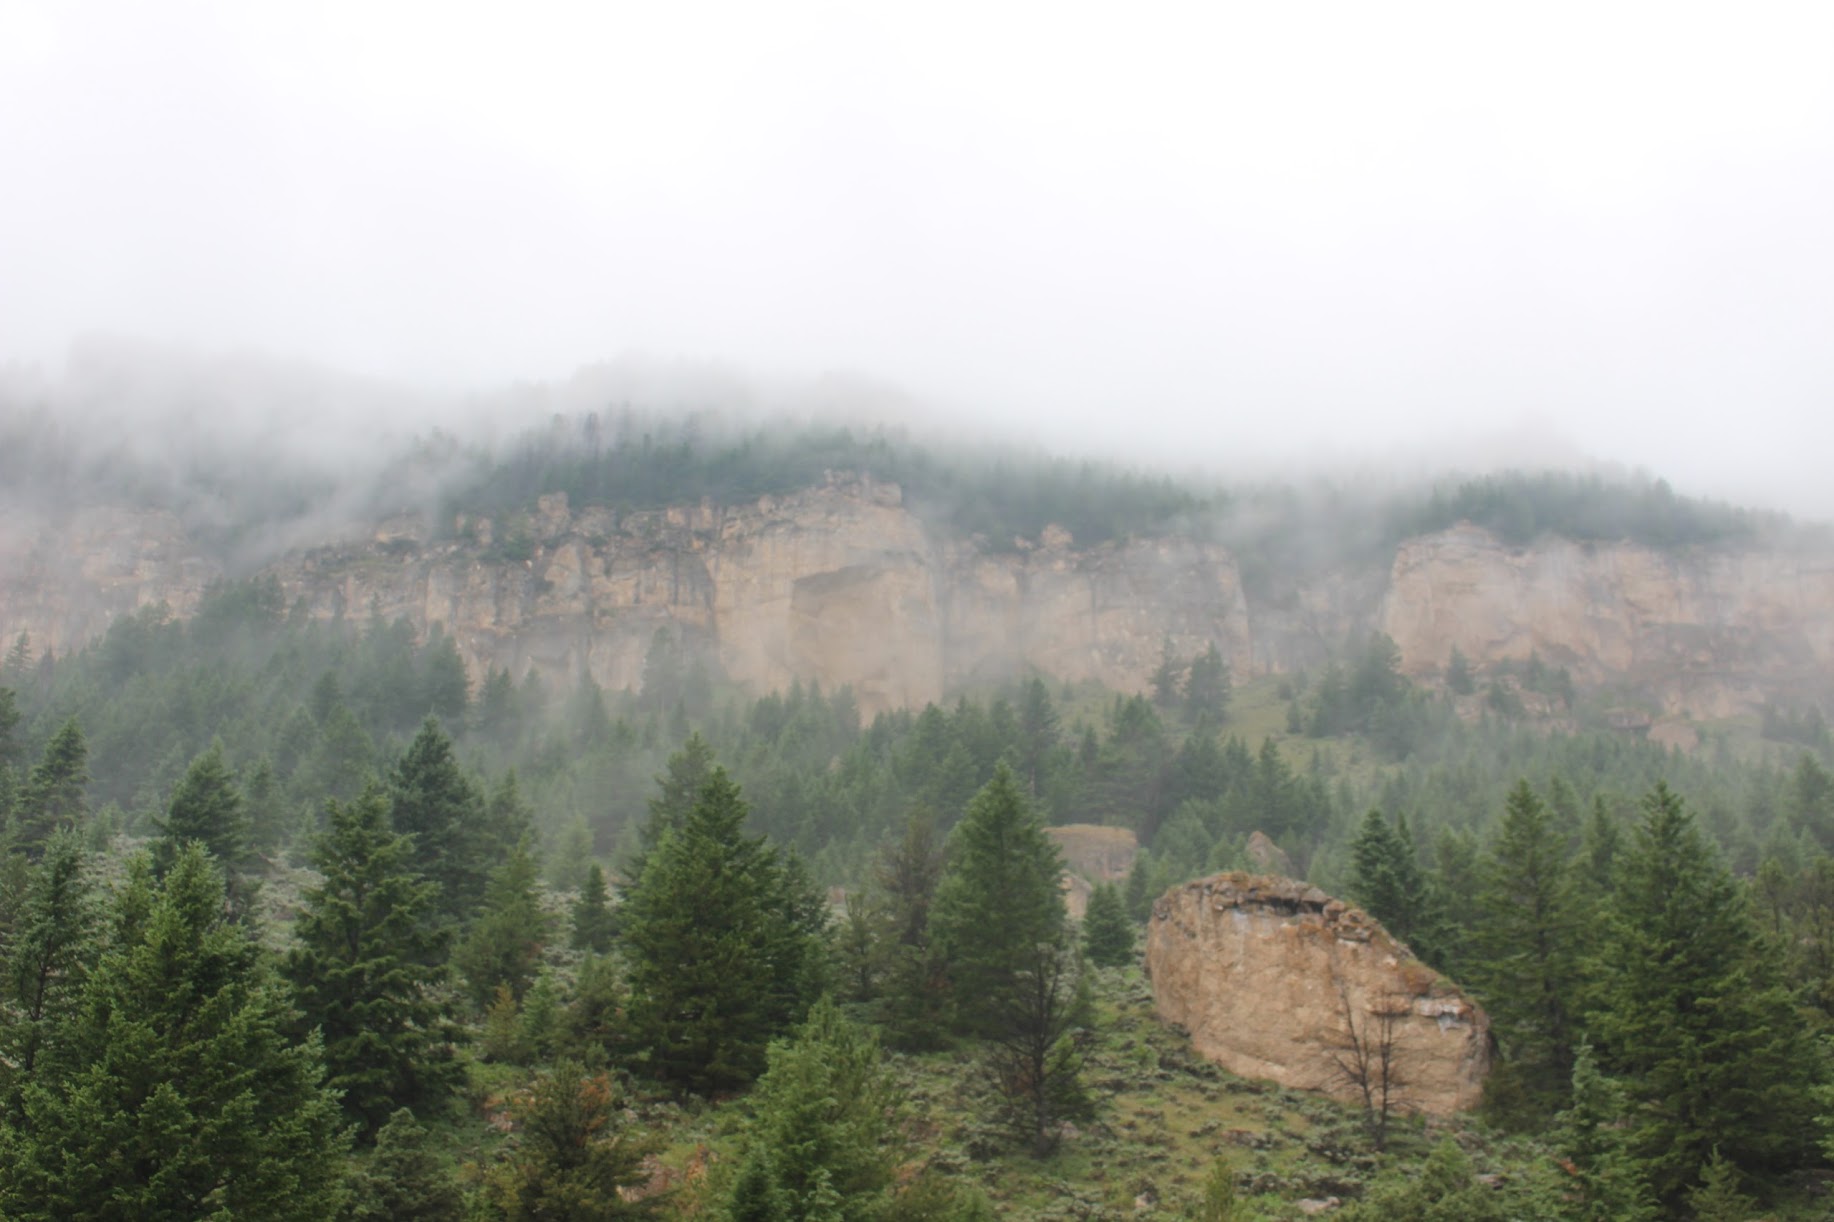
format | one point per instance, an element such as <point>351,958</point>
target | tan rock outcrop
<point>842,584</point>
<point>838,584</point>
<point>1270,976</point>
<point>1709,632</point>
<point>1092,854</point>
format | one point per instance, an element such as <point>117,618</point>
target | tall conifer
<point>175,1094</point>
<point>366,961</point>
<point>1694,1016</point>
<point>724,942</point>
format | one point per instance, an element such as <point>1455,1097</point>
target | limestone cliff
<point>1708,633</point>
<point>843,584</point>
<point>839,584</point>
<point>1273,978</point>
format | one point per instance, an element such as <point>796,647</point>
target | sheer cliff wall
<point>843,584</point>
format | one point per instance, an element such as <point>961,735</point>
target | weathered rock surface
<point>1267,974</point>
<point>1092,854</point>
<point>1711,633</point>
<point>838,584</point>
<point>842,584</point>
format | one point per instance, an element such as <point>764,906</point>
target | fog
<point>1231,237</point>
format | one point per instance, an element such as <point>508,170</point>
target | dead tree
<point>1365,1053</point>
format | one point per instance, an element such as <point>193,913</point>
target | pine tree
<point>724,942</point>
<point>823,1126</point>
<point>1108,936</point>
<point>567,1159</point>
<point>1527,942</point>
<point>267,813</point>
<point>1385,878</point>
<point>1219,1203</point>
<point>1694,1016</point>
<point>904,888</point>
<point>1168,678</point>
<point>365,964</point>
<point>53,794</point>
<point>206,808</point>
<point>174,1094</point>
<point>592,922</point>
<point>439,806</point>
<point>679,787</point>
<point>503,947</point>
<point>1591,1134</point>
<point>1206,688</point>
<point>9,723</point>
<point>402,1180</point>
<point>1018,982</point>
<point>1459,680</point>
<point>998,898</point>
<point>46,960</point>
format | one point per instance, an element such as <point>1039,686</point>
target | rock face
<point>1092,854</point>
<point>1710,633</point>
<point>1270,975</point>
<point>839,584</point>
<point>842,584</point>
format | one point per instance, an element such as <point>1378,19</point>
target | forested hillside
<point>492,950</point>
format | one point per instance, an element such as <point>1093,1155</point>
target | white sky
<point>1179,231</point>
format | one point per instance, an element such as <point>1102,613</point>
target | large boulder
<point>1275,979</point>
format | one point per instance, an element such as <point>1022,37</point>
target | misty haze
<point>817,613</point>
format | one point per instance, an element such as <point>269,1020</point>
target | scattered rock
<point>1268,857</point>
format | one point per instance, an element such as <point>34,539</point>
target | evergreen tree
<point>438,805</point>
<point>1718,1198</point>
<point>503,947</point>
<point>1591,1134</point>
<point>46,960</point>
<point>1219,1202</point>
<point>9,722</point>
<point>820,1141</point>
<point>1527,940</point>
<point>1108,936</point>
<point>1459,680</point>
<point>1030,1025</point>
<point>267,813</point>
<point>1168,678</point>
<point>53,796</point>
<point>1385,878</point>
<point>567,1159</point>
<point>174,1094</point>
<point>365,966</point>
<point>445,687</point>
<point>724,942</point>
<point>592,922</point>
<point>206,808</point>
<point>678,789</point>
<point>402,1180</point>
<point>904,884</point>
<point>1206,688</point>
<point>1694,1017</point>
<point>997,901</point>
<point>1017,979</point>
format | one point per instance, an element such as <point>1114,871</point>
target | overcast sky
<point>1193,232</point>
